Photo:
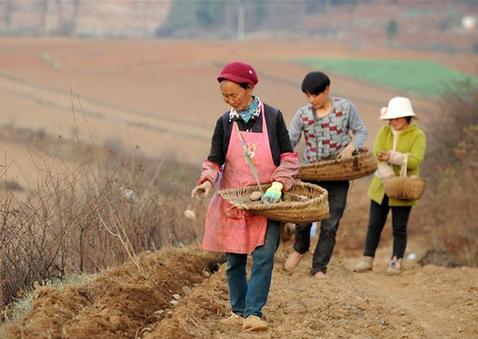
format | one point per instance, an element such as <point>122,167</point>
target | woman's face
<point>235,96</point>
<point>398,124</point>
<point>318,101</point>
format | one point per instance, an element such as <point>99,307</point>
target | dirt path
<point>441,301</point>
<point>181,299</point>
<point>424,302</point>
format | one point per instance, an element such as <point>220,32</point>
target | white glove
<point>202,189</point>
<point>384,170</point>
<point>347,152</point>
<point>396,158</point>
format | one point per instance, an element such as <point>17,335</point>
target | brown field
<point>162,96</point>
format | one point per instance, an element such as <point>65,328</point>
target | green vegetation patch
<point>418,76</point>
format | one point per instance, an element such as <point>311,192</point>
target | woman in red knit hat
<point>254,129</point>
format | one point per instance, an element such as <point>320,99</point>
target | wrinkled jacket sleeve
<point>287,170</point>
<point>295,130</point>
<point>417,153</point>
<point>357,125</point>
<point>378,144</point>
<point>210,172</point>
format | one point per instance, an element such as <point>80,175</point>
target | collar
<point>254,109</point>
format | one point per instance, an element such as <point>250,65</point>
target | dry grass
<point>451,167</point>
<point>103,212</point>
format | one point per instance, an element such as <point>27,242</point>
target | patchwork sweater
<point>326,136</point>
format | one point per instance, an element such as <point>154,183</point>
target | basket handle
<point>403,169</point>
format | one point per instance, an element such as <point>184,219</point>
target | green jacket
<point>412,141</point>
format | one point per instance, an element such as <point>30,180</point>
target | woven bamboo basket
<point>403,187</point>
<point>314,208</point>
<point>360,165</point>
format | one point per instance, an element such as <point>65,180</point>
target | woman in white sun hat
<point>398,140</point>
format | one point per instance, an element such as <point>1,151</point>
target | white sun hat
<point>398,107</point>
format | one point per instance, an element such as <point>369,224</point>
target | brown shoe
<point>254,323</point>
<point>365,264</point>
<point>292,261</point>
<point>233,320</point>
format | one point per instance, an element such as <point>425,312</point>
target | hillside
<point>417,25</point>
<point>179,298</point>
<point>83,18</point>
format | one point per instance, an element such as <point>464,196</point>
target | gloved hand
<point>384,170</point>
<point>202,189</point>
<point>273,193</point>
<point>396,158</point>
<point>347,152</point>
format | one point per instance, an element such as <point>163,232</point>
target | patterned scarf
<point>251,112</point>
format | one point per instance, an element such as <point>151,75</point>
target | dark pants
<point>377,219</point>
<point>328,227</point>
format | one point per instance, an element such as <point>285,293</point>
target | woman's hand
<point>347,152</point>
<point>383,156</point>
<point>202,189</point>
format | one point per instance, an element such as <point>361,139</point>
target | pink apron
<point>228,229</point>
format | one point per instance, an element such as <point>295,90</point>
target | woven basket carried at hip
<point>403,187</point>
<point>360,165</point>
<point>313,206</point>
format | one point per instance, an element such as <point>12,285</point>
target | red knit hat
<point>239,73</point>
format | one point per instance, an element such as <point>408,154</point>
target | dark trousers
<point>377,219</point>
<point>328,228</point>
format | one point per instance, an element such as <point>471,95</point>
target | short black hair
<point>315,83</point>
<point>409,119</point>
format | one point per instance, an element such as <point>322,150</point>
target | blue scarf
<point>253,110</point>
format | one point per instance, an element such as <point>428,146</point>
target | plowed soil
<point>423,302</point>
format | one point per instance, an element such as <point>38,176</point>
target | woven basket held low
<point>403,187</point>
<point>315,208</point>
<point>360,165</point>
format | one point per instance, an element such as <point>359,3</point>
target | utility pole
<point>44,17</point>
<point>74,17</point>
<point>6,16</point>
<point>241,21</point>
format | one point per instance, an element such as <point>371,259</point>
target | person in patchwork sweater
<point>326,123</point>
<point>400,142</point>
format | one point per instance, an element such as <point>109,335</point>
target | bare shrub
<point>451,167</point>
<point>458,111</point>
<point>94,216</point>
